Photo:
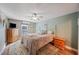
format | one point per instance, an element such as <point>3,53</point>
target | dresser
<point>11,35</point>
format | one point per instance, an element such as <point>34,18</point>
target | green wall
<point>2,37</point>
<point>52,22</point>
<point>74,42</point>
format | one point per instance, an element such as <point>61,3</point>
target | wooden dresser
<point>12,35</point>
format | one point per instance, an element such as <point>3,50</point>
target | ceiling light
<point>35,17</point>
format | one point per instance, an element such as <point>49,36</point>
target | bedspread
<point>34,43</point>
<point>28,45</point>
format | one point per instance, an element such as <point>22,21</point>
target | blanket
<point>34,43</point>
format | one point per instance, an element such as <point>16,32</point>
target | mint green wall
<point>74,42</point>
<point>2,31</point>
<point>2,37</point>
<point>52,22</point>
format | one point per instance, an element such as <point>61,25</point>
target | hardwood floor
<point>67,52</point>
<point>15,48</point>
<point>49,49</point>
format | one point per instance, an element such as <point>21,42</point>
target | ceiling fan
<point>35,17</point>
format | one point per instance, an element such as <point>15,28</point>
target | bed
<point>35,42</point>
<point>28,45</point>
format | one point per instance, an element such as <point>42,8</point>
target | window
<point>24,29</point>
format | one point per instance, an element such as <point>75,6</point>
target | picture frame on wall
<point>2,21</point>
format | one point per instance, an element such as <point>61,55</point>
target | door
<point>64,30</point>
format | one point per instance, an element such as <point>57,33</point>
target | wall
<point>2,32</point>
<point>53,22</point>
<point>75,31</point>
<point>78,32</point>
<point>31,25</point>
<point>2,37</point>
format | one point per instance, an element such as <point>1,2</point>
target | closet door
<point>64,30</point>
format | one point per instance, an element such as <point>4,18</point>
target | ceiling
<point>21,11</point>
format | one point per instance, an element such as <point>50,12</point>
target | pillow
<point>59,42</point>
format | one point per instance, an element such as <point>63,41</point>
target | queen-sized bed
<point>39,45</point>
<point>27,45</point>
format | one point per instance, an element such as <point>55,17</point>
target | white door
<point>64,30</point>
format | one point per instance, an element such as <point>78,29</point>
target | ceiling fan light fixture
<point>35,17</point>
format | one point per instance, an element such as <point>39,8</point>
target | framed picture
<point>2,20</point>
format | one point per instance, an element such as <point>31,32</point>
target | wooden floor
<point>15,49</point>
<point>49,49</point>
<point>67,52</point>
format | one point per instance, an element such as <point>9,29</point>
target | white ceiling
<point>21,11</point>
